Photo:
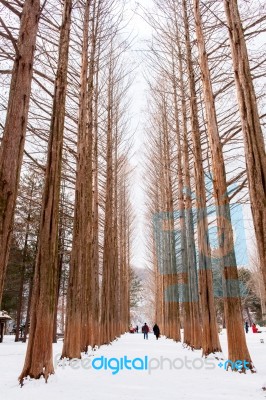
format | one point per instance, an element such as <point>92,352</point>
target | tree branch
<point>10,36</point>
<point>11,8</point>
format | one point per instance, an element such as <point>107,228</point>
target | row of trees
<point>64,63</point>
<point>205,126</point>
<point>65,81</point>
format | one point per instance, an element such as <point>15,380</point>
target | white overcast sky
<point>140,31</point>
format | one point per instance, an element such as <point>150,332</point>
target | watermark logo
<point>180,363</point>
<point>113,364</point>
<point>170,232</point>
<point>238,365</point>
<point>116,365</point>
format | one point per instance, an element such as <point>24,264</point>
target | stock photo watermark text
<point>146,363</point>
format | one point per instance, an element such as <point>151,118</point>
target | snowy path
<point>160,384</point>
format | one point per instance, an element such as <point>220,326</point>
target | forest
<point>67,173</point>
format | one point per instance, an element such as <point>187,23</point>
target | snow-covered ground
<point>156,381</point>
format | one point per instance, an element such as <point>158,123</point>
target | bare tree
<point>232,302</point>
<point>251,127</point>
<point>210,340</point>
<point>12,145</point>
<point>39,357</point>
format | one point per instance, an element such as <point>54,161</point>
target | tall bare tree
<point>79,306</point>
<point>12,145</point>
<point>251,127</point>
<point>39,357</point>
<point>210,339</point>
<point>232,301</point>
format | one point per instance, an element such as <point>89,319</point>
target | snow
<point>4,315</point>
<point>85,383</point>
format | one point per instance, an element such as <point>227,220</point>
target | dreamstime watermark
<point>116,365</point>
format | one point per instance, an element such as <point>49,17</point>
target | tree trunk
<point>95,221</point>
<point>123,270</point>
<point>24,260</point>
<point>249,316</point>
<point>107,332</point>
<point>12,146</point>
<point>85,175</point>
<point>27,323</point>
<point>115,277</point>
<point>210,339</point>
<point>182,268</point>
<point>195,336</point>
<point>251,128</point>
<point>172,318</point>
<point>74,341</point>
<point>61,237</point>
<point>39,356</point>
<point>237,350</point>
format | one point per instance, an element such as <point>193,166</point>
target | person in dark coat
<point>145,330</point>
<point>156,331</point>
<point>246,326</point>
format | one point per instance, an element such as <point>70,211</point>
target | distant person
<point>137,329</point>
<point>145,330</point>
<point>156,331</point>
<point>255,329</point>
<point>246,326</point>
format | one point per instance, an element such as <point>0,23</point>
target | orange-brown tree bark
<point>251,128</point>
<point>12,145</point>
<point>39,356</point>
<point>210,339</point>
<point>74,332</point>
<point>183,268</point>
<point>237,349</point>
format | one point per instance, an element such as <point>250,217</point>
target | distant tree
<point>136,289</point>
<point>12,281</point>
<point>258,284</point>
<point>20,267</point>
<point>250,300</point>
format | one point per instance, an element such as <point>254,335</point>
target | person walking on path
<point>156,331</point>
<point>145,330</point>
<point>246,326</point>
